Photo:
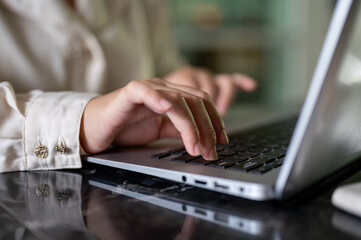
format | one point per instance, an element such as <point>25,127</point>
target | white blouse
<point>53,60</point>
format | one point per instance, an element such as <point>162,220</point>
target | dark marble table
<point>104,203</point>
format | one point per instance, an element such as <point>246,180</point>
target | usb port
<point>217,185</point>
<point>200,182</point>
<point>200,212</point>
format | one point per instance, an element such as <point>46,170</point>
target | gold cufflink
<point>41,151</point>
<point>62,148</point>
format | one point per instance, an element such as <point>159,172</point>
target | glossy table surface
<point>103,203</point>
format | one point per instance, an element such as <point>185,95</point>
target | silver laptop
<point>324,138</point>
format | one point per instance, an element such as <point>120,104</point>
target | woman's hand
<point>144,111</point>
<point>221,87</point>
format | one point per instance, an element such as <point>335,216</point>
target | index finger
<point>211,109</point>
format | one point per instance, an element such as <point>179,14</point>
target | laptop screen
<point>328,135</point>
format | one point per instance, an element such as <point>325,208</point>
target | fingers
<point>106,115</point>
<point>208,137</point>
<point>210,108</point>
<point>195,77</point>
<point>162,100</point>
<point>140,93</point>
<point>184,76</point>
<point>188,230</point>
<point>206,83</point>
<point>182,118</point>
<point>226,92</point>
<point>221,88</point>
<point>192,114</point>
<point>227,85</point>
<point>244,82</point>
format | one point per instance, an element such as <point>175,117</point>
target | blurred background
<point>277,42</point>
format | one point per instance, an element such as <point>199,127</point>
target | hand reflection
<point>111,216</point>
<point>188,229</point>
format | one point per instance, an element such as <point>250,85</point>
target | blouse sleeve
<point>40,130</point>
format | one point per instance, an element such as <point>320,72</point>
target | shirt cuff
<point>51,130</point>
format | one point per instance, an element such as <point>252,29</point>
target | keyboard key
<point>221,164</point>
<point>238,149</point>
<point>252,144</point>
<point>184,158</point>
<point>160,155</point>
<point>259,150</point>
<point>178,151</point>
<point>235,159</point>
<point>227,153</point>
<point>279,161</point>
<point>246,166</point>
<point>284,147</point>
<point>248,154</point>
<point>262,159</point>
<point>240,142</point>
<point>274,154</point>
<point>280,150</point>
<point>200,161</point>
<point>220,147</point>
<point>226,147</point>
<point>229,145</point>
<point>272,145</point>
<point>275,164</point>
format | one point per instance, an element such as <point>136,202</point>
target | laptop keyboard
<point>256,151</point>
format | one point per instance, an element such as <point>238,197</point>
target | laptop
<point>278,160</point>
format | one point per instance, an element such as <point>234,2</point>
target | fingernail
<point>224,137</point>
<point>212,154</point>
<point>222,122</point>
<point>165,104</point>
<point>197,149</point>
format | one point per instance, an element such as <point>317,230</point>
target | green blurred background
<point>277,42</point>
